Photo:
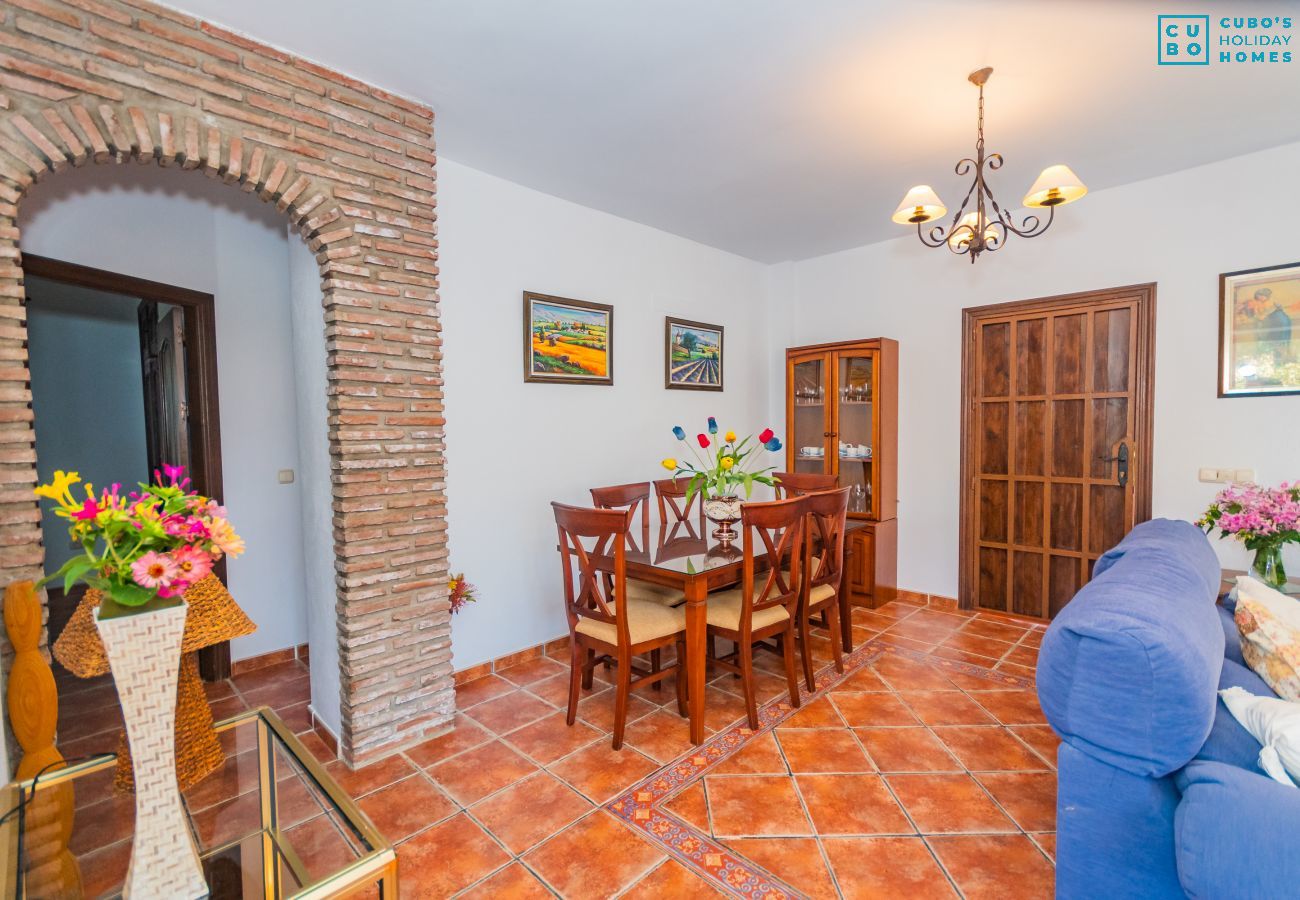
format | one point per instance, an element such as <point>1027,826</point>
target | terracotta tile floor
<point>926,771</point>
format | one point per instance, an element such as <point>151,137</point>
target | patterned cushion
<point>645,621</point>
<point>1269,622</point>
<point>723,611</point>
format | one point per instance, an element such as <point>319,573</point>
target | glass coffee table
<point>270,823</point>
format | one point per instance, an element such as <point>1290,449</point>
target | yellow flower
<point>669,463</point>
<point>731,437</point>
<point>451,585</point>
<point>727,462</point>
<point>58,489</point>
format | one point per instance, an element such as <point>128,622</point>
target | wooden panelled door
<point>1056,443</point>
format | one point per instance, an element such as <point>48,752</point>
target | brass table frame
<point>378,865</point>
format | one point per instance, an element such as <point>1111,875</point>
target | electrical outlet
<point>1242,476</point>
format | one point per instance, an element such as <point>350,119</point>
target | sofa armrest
<point>1234,833</point>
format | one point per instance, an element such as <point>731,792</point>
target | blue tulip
<point>713,425</point>
<point>774,444</point>
<point>679,433</point>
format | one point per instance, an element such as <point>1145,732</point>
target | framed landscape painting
<point>692,355</point>
<point>1259,332</point>
<point>567,341</point>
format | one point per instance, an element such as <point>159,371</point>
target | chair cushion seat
<point>645,622</point>
<point>655,593</point>
<point>820,593</point>
<point>723,611</point>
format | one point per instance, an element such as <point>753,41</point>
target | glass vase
<point>1267,566</point>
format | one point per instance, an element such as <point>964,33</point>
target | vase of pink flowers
<point>1264,519</point>
<point>142,550</point>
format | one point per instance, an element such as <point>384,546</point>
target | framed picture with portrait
<point>692,355</point>
<point>1259,332</point>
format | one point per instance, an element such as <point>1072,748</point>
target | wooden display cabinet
<point>841,413</point>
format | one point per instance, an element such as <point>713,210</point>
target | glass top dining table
<point>684,554</point>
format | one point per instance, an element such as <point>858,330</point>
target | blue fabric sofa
<point>1159,791</point>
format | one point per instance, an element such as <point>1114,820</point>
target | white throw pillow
<point>1276,725</point>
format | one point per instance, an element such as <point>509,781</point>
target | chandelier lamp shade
<point>981,223</point>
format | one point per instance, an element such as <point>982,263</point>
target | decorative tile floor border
<point>723,868</point>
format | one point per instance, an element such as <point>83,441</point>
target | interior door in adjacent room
<point>1056,442</point>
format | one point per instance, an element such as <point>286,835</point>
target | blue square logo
<point>1183,40</point>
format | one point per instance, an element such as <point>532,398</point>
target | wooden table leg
<point>697,591</point>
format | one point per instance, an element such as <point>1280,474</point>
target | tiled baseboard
<point>920,599</point>
<point>550,647</point>
<point>511,659</point>
<point>262,660</point>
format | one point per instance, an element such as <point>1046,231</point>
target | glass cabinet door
<point>810,385</point>
<point>854,405</point>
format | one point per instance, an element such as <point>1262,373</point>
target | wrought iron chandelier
<point>974,230</point>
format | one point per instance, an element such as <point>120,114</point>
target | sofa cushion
<point>1234,834</point>
<point>1270,635</point>
<point>1228,742</point>
<point>1169,536</point>
<point>1129,669</point>
<point>1231,635</point>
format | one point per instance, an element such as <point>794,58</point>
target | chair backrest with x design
<point>587,536</point>
<point>673,505</point>
<point>633,497</point>
<point>773,532</point>
<point>796,484</point>
<point>827,518</point>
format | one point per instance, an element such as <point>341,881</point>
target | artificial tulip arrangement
<point>723,464</point>
<point>152,543</point>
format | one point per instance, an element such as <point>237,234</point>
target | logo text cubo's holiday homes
<point>1196,40</point>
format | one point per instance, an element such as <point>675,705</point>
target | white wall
<point>513,447</point>
<point>310,390</point>
<point>186,230</point>
<point>1179,231</point>
<point>83,348</point>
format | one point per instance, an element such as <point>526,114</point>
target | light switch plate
<point>1241,476</point>
<point>285,476</point>
<point>1210,476</point>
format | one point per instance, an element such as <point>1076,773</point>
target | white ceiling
<point>783,129</point>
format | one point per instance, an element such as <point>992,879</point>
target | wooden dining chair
<point>827,517</point>
<point>767,602</point>
<point>635,498</point>
<point>796,484</point>
<point>600,626</point>
<point>673,505</point>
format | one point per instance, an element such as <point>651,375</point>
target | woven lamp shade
<point>212,617</point>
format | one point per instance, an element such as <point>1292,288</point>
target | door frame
<point>200,384</point>
<point>1143,413</point>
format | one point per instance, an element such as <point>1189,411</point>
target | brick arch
<point>352,168</point>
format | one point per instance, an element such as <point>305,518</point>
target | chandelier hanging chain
<point>972,231</point>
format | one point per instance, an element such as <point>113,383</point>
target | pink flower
<point>88,510</point>
<point>154,570</point>
<point>192,563</point>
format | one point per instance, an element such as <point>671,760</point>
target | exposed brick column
<point>352,167</point>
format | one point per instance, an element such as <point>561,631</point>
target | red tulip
<point>704,440</point>
<point>765,435</point>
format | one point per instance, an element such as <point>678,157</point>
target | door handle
<point>1121,459</point>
